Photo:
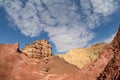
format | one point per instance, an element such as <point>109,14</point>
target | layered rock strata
<point>39,49</point>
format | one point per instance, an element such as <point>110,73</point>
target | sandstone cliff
<point>39,49</point>
<point>82,56</point>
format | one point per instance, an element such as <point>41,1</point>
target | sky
<point>66,24</point>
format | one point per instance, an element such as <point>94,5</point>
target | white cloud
<point>69,23</point>
<point>108,40</point>
<point>25,18</point>
<point>104,7</point>
<point>69,38</point>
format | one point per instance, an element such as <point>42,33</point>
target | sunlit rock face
<point>39,49</point>
<point>82,56</point>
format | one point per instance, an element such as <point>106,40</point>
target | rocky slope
<point>112,70</point>
<point>41,51</point>
<point>82,56</point>
<point>16,65</point>
<point>105,67</point>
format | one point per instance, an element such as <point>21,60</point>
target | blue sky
<point>66,24</point>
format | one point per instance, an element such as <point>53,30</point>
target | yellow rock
<point>82,56</point>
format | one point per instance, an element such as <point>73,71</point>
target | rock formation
<point>39,49</point>
<point>112,70</point>
<point>82,56</point>
<point>16,65</point>
<point>105,67</point>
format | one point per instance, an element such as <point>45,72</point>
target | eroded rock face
<point>112,70</point>
<point>39,49</point>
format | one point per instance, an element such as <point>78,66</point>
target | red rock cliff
<point>112,70</point>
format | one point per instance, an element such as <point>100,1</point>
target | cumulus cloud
<point>69,23</point>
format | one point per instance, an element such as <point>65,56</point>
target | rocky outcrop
<point>112,70</point>
<point>82,56</point>
<point>39,49</point>
<point>47,62</point>
<point>14,65</point>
